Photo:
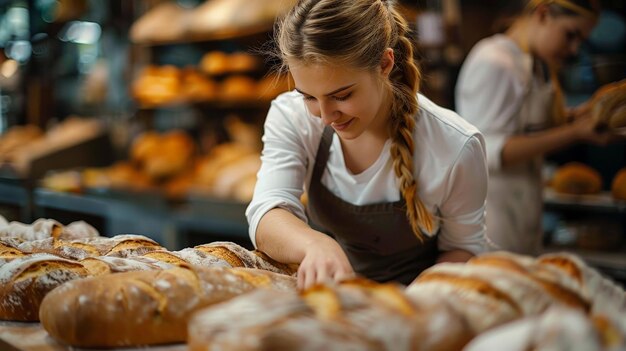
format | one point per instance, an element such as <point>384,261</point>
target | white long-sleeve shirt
<point>449,167</point>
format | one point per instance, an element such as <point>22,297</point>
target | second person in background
<point>397,182</point>
<point>508,88</point>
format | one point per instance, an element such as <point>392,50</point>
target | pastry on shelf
<point>241,62</point>
<point>618,186</point>
<point>214,63</point>
<point>157,85</point>
<point>196,87</point>
<point>576,179</point>
<point>238,88</point>
<point>17,137</point>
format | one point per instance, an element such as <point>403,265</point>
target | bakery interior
<point>145,117</point>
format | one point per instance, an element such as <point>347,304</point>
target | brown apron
<point>377,238</point>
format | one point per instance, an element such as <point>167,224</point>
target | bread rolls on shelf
<point>618,185</point>
<point>355,315</point>
<point>144,307</point>
<point>577,179</point>
<point>24,281</point>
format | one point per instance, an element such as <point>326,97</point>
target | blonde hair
<point>356,33</point>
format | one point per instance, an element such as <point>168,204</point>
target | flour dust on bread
<point>354,315</point>
<point>25,281</point>
<point>144,307</point>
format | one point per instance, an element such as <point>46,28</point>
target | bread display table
<point>16,336</point>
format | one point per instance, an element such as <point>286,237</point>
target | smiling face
<point>558,38</point>
<point>351,101</point>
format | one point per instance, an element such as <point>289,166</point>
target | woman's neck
<point>520,33</point>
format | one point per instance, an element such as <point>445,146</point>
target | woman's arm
<point>286,238</point>
<point>521,148</point>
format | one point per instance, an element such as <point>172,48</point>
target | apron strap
<point>322,154</point>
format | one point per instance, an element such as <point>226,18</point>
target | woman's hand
<point>587,130</point>
<point>323,260</point>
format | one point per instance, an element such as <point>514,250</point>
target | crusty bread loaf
<point>607,103</point>
<point>186,257</point>
<point>560,287</point>
<point>576,178</point>
<point>40,229</point>
<point>47,228</point>
<point>108,264</point>
<point>356,315</point>
<point>125,245</point>
<point>557,329</point>
<point>9,249</point>
<point>144,307</point>
<point>239,256</point>
<point>25,281</point>
<point>605,297</point>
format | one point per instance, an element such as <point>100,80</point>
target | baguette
<point>144,307</point>
<point>25,281</point>
<point>238,256</point>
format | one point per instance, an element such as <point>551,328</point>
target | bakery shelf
<point>218,35</point>
<point>596,203</point>
<point>15,193</point>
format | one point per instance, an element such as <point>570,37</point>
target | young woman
<point>397,182</point>
<point>507,88</point>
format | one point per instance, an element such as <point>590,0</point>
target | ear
<point>387,62</point>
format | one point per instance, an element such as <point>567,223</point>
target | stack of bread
<point>36,258</point>
<point>168,85</point>
<point>496,301</point>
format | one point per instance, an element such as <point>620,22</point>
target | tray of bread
<point>67,288</point>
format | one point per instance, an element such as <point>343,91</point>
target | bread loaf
<point>125,245</point>
<point>25,281</point>
<point>144,307</point>
<point>605,297</point>
<point>47,228</point>
<point>9,249</point>
<point>357,315</point>
<point>239,256</point>
<point>577,179</point>
<point>186,257</point>
<point>107,264</point>
<point>557,329</point>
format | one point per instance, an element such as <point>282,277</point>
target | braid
<point>405,80</point>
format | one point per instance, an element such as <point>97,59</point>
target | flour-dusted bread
<point>557,329</point>
<point>606,297</point>
<point>25,281</point>
<point>40,229</point>
<point>9,249</point>
<point>144,307</point>
<point>47,228</point>
<point>125,245</point>
<point>110,264</point>
<point>355,315</point>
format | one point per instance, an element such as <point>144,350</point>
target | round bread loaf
<point>577,179</point>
